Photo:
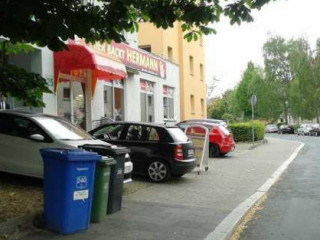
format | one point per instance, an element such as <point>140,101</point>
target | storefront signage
<point>146,86</point>
<point>134,58</point>
<point>167,91</point>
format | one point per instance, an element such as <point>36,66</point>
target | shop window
<point>147,101</point>
<point>192,104</point>
<point>191,64</point>
<point>168,103</point>
<point>114,101</point>
<point>202,106</point>
<point>170,54</point>
<point>146,48</point>
<point>134,133</point>
<point>201,72</point>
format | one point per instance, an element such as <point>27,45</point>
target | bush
<point>242,132</point>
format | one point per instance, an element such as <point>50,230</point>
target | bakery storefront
<point>114,82</point>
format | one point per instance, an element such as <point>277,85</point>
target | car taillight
<point>178,153</point>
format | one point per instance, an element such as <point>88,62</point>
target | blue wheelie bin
<point>68,189</point>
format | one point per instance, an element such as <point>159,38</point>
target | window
<point>202,106</point>
<point>114,101</point>
<point>66,94</point>
<point>168,102</point>
<point>201,40</point>
<point>134,133</point>
<point>201,72</point>
<point>111,132</point>
<point>147,101</point>
<point>151,134</point>
<point>146,47</point>
<point>191,64</point>
<point>170,56</point>
<point>192,104</point>
<point>21,127</point>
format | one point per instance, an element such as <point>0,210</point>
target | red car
<point>220,139</point>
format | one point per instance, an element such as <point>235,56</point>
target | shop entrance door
<point>71,102</point>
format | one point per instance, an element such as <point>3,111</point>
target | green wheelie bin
<point>101,189</point>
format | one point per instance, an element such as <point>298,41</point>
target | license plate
<point>190,152</point>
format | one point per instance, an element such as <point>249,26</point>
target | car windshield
<point>272,126</point>
<point>62,130</point>
<point>178,135</point>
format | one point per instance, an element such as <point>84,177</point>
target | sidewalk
<point>190,207</point>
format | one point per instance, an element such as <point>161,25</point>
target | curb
<point>226,228</point>
<point>16,227</point>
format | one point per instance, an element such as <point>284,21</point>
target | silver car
<point>271,128</point>
<point>23,134</point>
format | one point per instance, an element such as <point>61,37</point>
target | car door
<point>133,139</point>
<point>19,153</point>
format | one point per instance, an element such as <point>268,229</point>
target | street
<point>193,206</point>
<point>292,208</point>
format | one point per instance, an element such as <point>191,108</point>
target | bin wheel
<point>158,171</point>
<point>38,221</point>
<point>206,168</point>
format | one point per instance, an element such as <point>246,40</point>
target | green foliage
<point>25,86</point>
<point>220,106</point>
<point>50,23</point>
<point>242,132</point>
<point>11,48</point>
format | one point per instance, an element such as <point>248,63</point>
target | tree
<point>50,23</point>
<point>277,68</point>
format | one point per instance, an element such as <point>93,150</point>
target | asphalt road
<point>292,208</point>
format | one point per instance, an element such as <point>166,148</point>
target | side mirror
<point>37,137</point>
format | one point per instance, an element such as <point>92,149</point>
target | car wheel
<point>214,151</point>
<point>158,171</point>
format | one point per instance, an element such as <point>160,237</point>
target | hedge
<point>242,132</point>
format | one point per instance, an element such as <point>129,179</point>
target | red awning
<point>77,57</point>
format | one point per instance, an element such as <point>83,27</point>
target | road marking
<point>225,229</point>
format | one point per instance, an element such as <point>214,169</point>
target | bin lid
<point>110,150</point>
<point>106,161</point>
<point>69,155</point>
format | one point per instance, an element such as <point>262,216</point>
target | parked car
<point>220,138</point>
<point>215,121</point>
<point>157,151</point>
<point>304,129</point>
<point>286,129</point>
<point>23,134</point>
<point>271,128</point>
<point>315,130</point>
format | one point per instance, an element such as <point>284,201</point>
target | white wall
<point>132,98</point>
<point>47,72</point>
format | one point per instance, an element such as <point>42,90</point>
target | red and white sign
<point>134,58</point>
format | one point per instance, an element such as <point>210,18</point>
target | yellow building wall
<point>190,84</point>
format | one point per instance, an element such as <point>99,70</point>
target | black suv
<point>156,150</point>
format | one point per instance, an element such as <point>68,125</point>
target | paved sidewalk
<point>190,207</point>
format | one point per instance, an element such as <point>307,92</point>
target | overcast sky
<point>229,51</point>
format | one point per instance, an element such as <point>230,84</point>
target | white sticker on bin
<point>80,195</point>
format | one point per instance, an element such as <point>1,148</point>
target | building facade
<point>92,84</point>
<point>171,45</point>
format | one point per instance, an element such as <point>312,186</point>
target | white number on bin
<point>80,195</point>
